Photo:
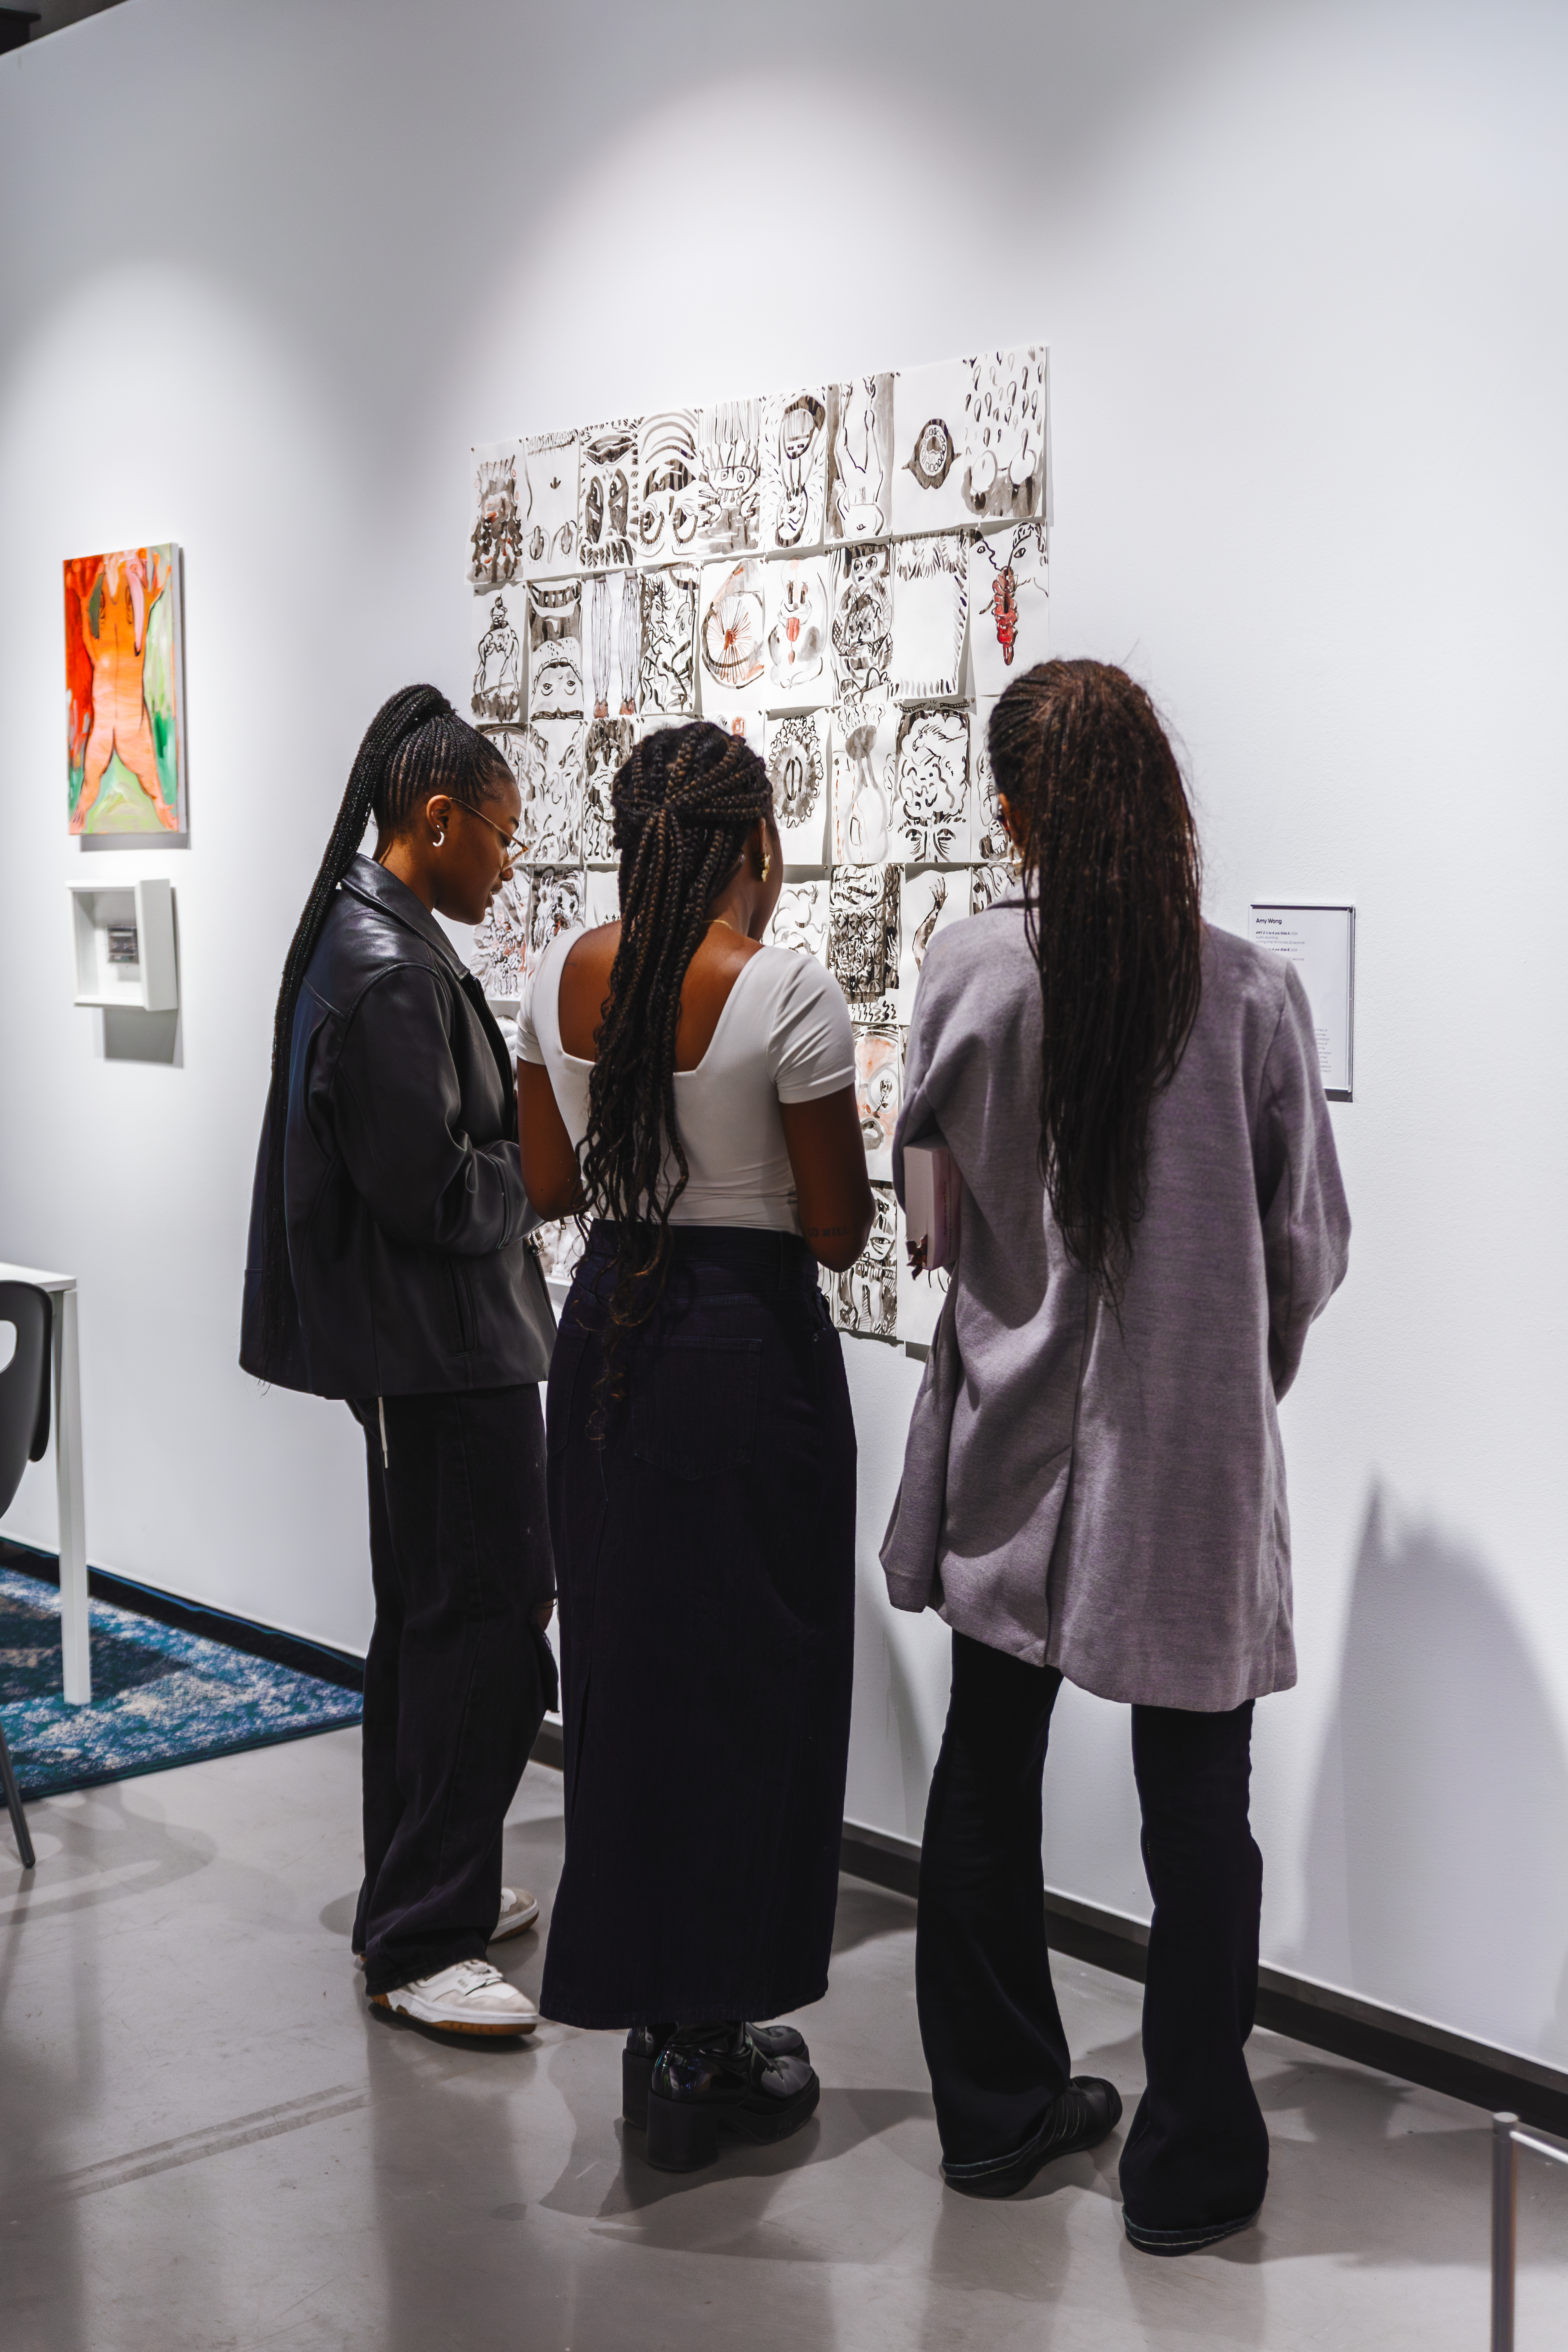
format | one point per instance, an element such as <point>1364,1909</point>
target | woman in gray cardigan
<point>1094,1486</point>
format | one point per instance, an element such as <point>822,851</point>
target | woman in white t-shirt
<point>692,1091</point>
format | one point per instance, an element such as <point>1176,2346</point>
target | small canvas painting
<point>932,814</point>
<point>864,1299</point>
<point>550,515</point>
<point>667,665</point>
<point>612,632</point>
<point>800,770</point>
<point>800,919</point>
<point>496,692</point>
<point>552,786</point>
<point>796,601</point>
<point>556,649</point>
<point>930,603</point>
<point>666,485</point>
<point>125,748</point>
<point>606,747</point>
<point>729,478</point>
<point>795,470</point>
<point>495,539</point>
<point>859,491</point>
<point>607,495</point>
<point>732,636</point>
<point>863,741</point>
<point>862,583</point>
<point>1009,605</point>
<point>878,1083</point>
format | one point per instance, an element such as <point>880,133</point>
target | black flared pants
<point>1197,2151</point>
<point>458,1675</point>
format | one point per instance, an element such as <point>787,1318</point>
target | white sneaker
<point>468,1997</point>
<point>519,1909</point>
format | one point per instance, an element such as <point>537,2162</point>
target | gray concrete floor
<point>209,2141</point>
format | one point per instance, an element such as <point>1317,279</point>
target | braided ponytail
<point>415,746</point>
<point>684,803</point>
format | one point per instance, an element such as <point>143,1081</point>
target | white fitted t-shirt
<point>783,1036</point>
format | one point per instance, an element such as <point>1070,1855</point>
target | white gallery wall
<point>1301,269</point>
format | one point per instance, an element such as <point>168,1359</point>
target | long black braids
<point>684,803</point>
<point>1114,897</point>
<point>415,746</point>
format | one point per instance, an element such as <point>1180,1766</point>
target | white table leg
<point>69,1490</point>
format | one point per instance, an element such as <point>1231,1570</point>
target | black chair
<point>24,1435</point>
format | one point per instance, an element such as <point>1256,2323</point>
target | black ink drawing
<point>863,931</point>
<point>862,620</point>
<point>666,672</point>
<point>991,845</point>
<point>969,441</point>
<point>745,721</point>
<point>795,470</point>
<point>606,747</point>
<point>732,636</point>
<point>666,485</point>
<point>1009,605</point>
<point>495,542</point>
<point>500,943</point>
<point>864,1299</point>
<point>729,478</point>
<point>555,905</point>
<point>922,1297</point>
<point>801,919</point>
<point>496,691</point>
<point>928,901</point>
<point>930,600</point>
<point>551,784</point>
<point>986,883</point>
<point>800,772</point>
<point>612,619</point>
<point>797,598</point>
<point>550,521</point>
<point>555,650</point>
<point>607,495</point>
<point>558,1248</point>
<point>931,822</point>
<point>879,1082</point>
<point>863,738</point>
<point>860,497</point>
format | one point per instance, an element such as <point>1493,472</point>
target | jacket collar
<point>373,884</point>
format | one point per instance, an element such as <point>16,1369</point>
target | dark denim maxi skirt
<point>705,1563</point>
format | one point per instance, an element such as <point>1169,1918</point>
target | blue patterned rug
<point>159,1696</point>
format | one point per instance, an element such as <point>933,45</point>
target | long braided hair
<point>684,803</point>
<point>415,746</point>
<point>1113,898</point>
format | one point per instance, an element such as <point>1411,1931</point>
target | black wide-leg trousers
<point>1197,2151</point>
<point>458,1673</point>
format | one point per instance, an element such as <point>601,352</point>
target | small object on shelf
<point>123,939</point>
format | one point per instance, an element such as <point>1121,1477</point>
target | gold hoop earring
<point>767,864</point>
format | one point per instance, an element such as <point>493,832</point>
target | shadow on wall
<point>1426,1888</point>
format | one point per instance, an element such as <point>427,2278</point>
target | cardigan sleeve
<point>1300,1198</point>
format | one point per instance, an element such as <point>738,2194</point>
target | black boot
<point>643,2044</point>
<point>714,2078</point>
<point>1083,2114</point>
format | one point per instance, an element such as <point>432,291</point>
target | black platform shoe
<point>1078,2118</point>
<point>643,2044</point>
<point>714,2078</point>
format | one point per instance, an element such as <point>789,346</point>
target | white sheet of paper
<point>930,600</point>
<point>552,786</point>
<point>667,669</point>
<point>549,506</point>
<point>731,636</point>
<point>607,495</point>
<point>800,919</point>
<point>795,600</point>
<point>920,1298</point>
<point>878,1083</point>
<point>495,530</point>
<point>863,738</point>
<point>666,485</point>
<point>606,746</point>
<point>929,898</point>
<point>601,897</point>
<point>800,766</point>
<point>862,585</point>
<point>729,478</point>
<point>746,719</point>
<point>1009,605</point>
<point>932,822</point>
<point>1321,943</point>
<point>496,687</point>
<point>864,1299</point>
<point>555,904</point>
<point>970,441</point>
<point>795,470</point>
<point>612,635</point>
<point>554,648</point>
<point>859,458</point>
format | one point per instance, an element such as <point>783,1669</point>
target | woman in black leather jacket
<point>389,1266</point>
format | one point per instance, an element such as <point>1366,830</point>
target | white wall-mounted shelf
<point>123,939</point>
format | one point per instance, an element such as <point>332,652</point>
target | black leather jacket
<point>403,1189</point>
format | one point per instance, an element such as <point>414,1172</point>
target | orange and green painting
<point>125,736</point>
